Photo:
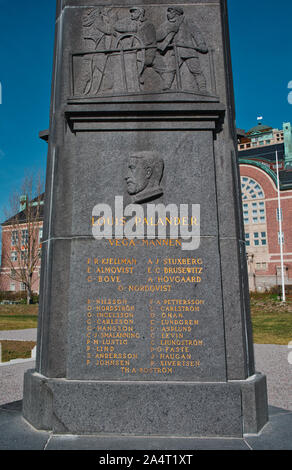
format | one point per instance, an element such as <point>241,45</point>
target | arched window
<point>251,189</point>
<point>254,210</point>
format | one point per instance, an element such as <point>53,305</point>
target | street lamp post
<point>280,231</point>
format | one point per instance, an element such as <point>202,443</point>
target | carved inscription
<point>160,338</point>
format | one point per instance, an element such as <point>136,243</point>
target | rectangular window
<point>247,239</point>
<point>12,287</point>
<point>279,238</point>
<point>13,255</point>
<point>279,215</point>
<point>255,220</point>
<point>24,237</point>
<point>14,238</point>
<point>261,266</point>
<point>24,255</point>
<point>263,238</point>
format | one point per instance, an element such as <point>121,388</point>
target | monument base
<point>177,409</point>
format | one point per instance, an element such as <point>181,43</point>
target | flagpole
<point>280,231</point>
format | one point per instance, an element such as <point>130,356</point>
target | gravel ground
<point>271,360</point>
<point>11,380</point>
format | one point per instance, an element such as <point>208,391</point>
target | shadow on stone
<point>13,406</point>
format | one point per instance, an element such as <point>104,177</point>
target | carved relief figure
<point>99,25</point>
<point>133,36</point>
<point>141,28</point>
<point>145,171</point>
<point>180,42</point>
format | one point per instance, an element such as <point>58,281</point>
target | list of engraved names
<point>140,321</point>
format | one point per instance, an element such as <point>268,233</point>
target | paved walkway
<point>11,376</point>
<point>271,360</point>
<point>19,335</point>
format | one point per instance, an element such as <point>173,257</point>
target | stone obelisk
<point>143,335</point>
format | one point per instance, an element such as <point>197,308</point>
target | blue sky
<point>262,67</point>
<point>26,54</point>
<point>260,33</point>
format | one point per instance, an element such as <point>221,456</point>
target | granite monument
<point>137,335</point>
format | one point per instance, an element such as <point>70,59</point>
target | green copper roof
<point>259,129</point>
<point>262,166</point>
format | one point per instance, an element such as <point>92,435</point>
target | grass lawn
<point>271,320</point>
<point>16,350</point>
<point>18,317</point>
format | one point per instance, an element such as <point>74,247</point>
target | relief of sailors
<point>100,34</point>
<point>126,47</point>
<point>141,33</point>
<point>179,42</point>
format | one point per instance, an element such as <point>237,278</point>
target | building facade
<point>21,248</point>
<point>267,200</point>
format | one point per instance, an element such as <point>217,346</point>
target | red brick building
<point>258,169</point>
<point>16,232</point>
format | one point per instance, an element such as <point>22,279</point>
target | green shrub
<point>17,297</point>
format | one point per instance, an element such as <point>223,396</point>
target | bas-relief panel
<point>134,50</point>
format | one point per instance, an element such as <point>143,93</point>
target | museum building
<point>264,207</point>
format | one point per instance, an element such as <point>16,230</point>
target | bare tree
<point>22,253</point>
